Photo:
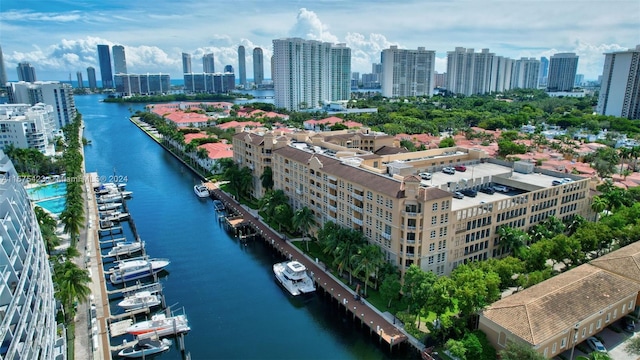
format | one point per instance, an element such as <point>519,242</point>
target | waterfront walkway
<point>367,314</point>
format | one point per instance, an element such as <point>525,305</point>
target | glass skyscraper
<point>104,58</point>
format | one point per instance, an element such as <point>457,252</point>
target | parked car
<point>425,176</point>
<point>596,345</point>
<point>458,195</point>
<point>469,192</point>
<point>557,182</point>
<point>629,323</point>
<point>449,170</point>
<point>500,188</point>
<point>460,168</point>
<point>487,190</point>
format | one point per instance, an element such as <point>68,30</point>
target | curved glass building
<point>27,305</point>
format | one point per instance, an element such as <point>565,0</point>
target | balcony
<point>407,241</point>
<point>356,208</point>
<point>411,214</point>
<point>356,196</point>
<point>332,208</point>
<point>357,221</point>
<point>298,191</point>
<point>331,217</point>
<point>411,227</point>
<point>332,186</point>
<point>332,197</point>
<point>410,255</point>
<point>386,236</point>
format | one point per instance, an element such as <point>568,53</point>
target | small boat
<point>160,325</point>
<point>125,248</point>
<point>109,206</point>
<point>145,347</point>
<point>201,190</point>
<point>137,268</point>
<point>114,197</point>
<point>292,275</point>
<point>218,205</point>
<point>106,224</point>
<point>140,300</point>
<point>114,215</point>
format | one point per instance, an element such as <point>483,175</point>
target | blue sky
<point>59,37</point>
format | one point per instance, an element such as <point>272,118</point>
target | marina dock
<point>327,284</point>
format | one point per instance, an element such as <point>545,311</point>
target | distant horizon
<point>61,37</point>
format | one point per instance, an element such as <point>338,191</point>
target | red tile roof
<point>234,124</point>
<point>189,137</point>
<point>218,150</point>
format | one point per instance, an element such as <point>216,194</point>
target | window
<point>607,318</point>
<point>432,246</point>
<point>434,207</point>
<point>591,328</point>
<point>553,348</point>
<point>502,338</point>
<point>599,324</point>
<point>433,234</point>
<point>563,342</point>
<point>584,332</point>
<point>434,220</point>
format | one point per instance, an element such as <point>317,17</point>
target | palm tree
<point>271,200</point>
<point>328,237</point>
<point>624,153</point>
<point>349,244</point>
<point>303,219</point>
<point>71,285</point>
<point>368,259</point>
<point>47,228</point>
<point>72,217</point>
<point>267,178</point>
<point>598,205</point>
<point>513,239</point>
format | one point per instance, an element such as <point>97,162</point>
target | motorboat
<point>114,196</point>
<point>106,224</point>
<point>140,300</point>
<point>137,268</point>
<point>292,275</point>
<point>218,205</point>
<point>145,348</point>
<point>109,206</point>
<point>201,190</point>
<point>114,215</point>
<point>160,325</point>
<point>125,248</point>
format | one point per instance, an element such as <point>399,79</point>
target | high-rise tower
<point>620,88</point>
<point>340,72</point>
<point>119,60</point>
<point>208,65</point>
<point>104,58</point>
<point>407,72</point>
<point>562,72</point>
<point>91,77</point>
<point>186,63</point>
<point>80,81</point>
<point>26,72</point>
<point>544,71</point>
<point>242,66</point>
<point>258,66</point>
<point>3,70</point>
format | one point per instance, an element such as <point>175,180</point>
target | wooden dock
<point>340,294</point>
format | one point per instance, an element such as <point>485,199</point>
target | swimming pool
<point>55,206</point>
<point>47,191</point>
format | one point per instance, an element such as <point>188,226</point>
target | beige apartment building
<point>414,221</point>
<point>561,312</point>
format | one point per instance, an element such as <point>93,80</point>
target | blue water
<point>47,191</point>
<point>55,206</point>
<point>235,308</point>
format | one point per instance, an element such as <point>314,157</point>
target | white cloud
<point>308,26</point>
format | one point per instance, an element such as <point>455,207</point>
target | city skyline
<point>59,37</point>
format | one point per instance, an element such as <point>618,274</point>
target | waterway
<point>235,308</point>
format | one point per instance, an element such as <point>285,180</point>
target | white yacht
<point>292,275</point>
<point>140,300</point>
<point>125,248</point>
<point>160,325</point>
<point>137,268</point>
<point>109,206</point>
<point>201,190</point>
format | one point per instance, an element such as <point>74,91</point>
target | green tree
<point>472,345</point>
<point>456,348</point>
<point>598,205</point>
<point>283,214</point>
<point>368,259</point>
<point>267,178</point>
<point>447,142</point>
<point>633,346</point>
<point>303,220</point>
<point>349,243</point>
<point>47,228</point>
<point>519,351</point>
<point>70,285</point>
<point>474,288</point>
<point>390,288</point>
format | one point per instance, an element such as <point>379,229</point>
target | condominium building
<point>620,88</point>
<point>143,84</point>
<point>258,66</point>
<point>28,126</point>
<point>407,72</point>
<point>119,60</point>
<point>482,67</point>
<point>543,73</point>
<point>80,80</point>
<point>340,72</point>
<point>460,71</point>
<point>209,83</point>
<point>58,95</point>
<point>242,66</point>
<point>27,304</point>
<point>303,74</point>
<point>91,77</point>
<point>186,63</point>
<point>26,72</point>
<point>525,73</point>
<point>412,220</point>
<point>562,72</point>
<point>501,74</point>
<point>104,59</point>
<point>208,64</point>
<point>3,70</point>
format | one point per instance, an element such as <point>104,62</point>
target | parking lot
<point>614,341</point>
